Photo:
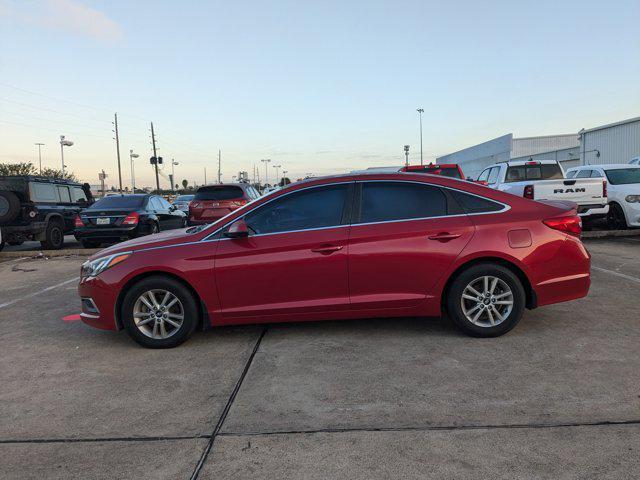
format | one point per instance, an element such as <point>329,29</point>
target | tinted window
<point>538,171</point>
<point>571,174</point>
<point>117,201</point>
<point>313,208</point>
<point>473,204</point>
<point>44,192</point>
<point>623,176</point>
<point>78,194</point>
<point>385,201</point>
<point>493,175</point>
<point>65,196</point>
<point>222,192</point>
<point>164,205</point>
<point>584,174</point>
<point>184,198</point>
<point>155,204</point>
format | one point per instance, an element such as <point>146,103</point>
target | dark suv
<point>39,208</point>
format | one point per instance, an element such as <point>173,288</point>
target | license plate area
<point>103,221</point>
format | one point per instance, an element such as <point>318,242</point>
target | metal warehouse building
<point>614,143</point>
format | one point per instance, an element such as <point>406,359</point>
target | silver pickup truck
<point>545,180</point>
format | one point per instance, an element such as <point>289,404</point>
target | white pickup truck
<point>545,180</point>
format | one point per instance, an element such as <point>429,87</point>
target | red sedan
<point>355,246</point>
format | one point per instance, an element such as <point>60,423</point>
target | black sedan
<point>122,217</point>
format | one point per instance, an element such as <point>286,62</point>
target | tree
<point>185,182</point>
<point>54,173</point>
<point>17,169</point>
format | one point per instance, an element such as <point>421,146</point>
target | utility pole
<point>420,112</point>
<point>219,166</point>
<point>40,155</point>
<point>266,171</point>
<point>153,141</point>
<point>277,167</point>
<point>115,115</point>
<point>284,176</point>
<point>205,175</point>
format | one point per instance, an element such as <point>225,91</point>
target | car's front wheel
<point>486,300</point>
<point>159,312</point>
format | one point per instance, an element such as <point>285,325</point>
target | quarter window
<point>387,201</point>
<point>308,209</point>
<point>78,195</point>
<point>474,204</point>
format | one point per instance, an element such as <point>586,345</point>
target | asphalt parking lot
<point>558,397</point>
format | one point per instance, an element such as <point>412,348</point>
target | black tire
<point>615,218</point>
<point>9,206</point>
<point>472,274</point>
<point>89,244</point>
<point>155,228</point>
<point>54,235</point>
<point>167,284</point>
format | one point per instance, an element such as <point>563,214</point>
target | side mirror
<point>237,229</point>
<point>173,208</point>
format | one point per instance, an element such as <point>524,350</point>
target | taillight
<point>571,224</point>
<point>528,192</point>
<point>131,219</point>
<point>604,189</point>
<point>239,203</point>
<point>78,222</point>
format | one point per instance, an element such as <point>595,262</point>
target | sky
<point>317,87</point>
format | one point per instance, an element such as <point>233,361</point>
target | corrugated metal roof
<point>602,127</point>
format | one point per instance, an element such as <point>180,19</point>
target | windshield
<point>118,201</point>
<point>548,171</point>
<point>219,193</point>
<point>183,198</point>
<point>623,176</point>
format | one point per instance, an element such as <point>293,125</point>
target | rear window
<point>183,198</point>
<point>451,172</point>
<point>219,193</point>
<point>623,176</point>
<point>117,201</point>
<point>520,173</point>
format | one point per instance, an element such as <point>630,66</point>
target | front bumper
<point>98,301</point>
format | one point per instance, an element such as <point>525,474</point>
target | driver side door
<point>294,261</point>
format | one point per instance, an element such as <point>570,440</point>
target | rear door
<point>404,237</point>
<point>293,262</point>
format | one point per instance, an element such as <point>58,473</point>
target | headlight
<point>96,267</point>
<point>632,198</point>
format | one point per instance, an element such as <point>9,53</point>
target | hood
<point>170,237</point>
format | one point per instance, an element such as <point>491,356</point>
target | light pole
<point>420,112</point>
<point>63,143</point>
<point>40,155</point>
<point>133,175</point>
<point>284,175</point>
<point>406,155</point>
<point>173,173</point>
<point>277,167</point>
<point>266,171</point>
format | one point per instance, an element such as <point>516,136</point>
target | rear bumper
<point>115,234</point>
<point>20,232</point>
<point>593,211</point>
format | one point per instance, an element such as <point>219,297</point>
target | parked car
<point>634,161</point>
<point>212,202</point>
<point>353,246</point>
<point>182,202</point>
<point>39,208</point>
<point>545,180</point>
<point>623,192</point>
<point>452,170</point>
<point>123,217</point>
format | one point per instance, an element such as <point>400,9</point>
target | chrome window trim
<point>209,239</point>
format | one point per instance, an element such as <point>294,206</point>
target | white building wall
<point>474,159</point>
<point>616,143</point>
<point>533,145</point>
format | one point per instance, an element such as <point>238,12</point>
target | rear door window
<point>389,201</point>
<point>313,208</point>
<point>65,195</point>
<point>44,192</point>
<point>221,192</point>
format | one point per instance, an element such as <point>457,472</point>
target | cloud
<point>72,17</point>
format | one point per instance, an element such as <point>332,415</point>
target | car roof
<point>606,166</point>
<point>518,163</point>
<point>36,178</point>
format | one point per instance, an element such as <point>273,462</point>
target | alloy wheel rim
<point>56,236</point>
<point>487,301</point>
<point>158,314</point>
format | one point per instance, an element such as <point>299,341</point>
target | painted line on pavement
<point>617,274</point>
<point>35,294</point>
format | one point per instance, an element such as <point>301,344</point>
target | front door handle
<point>327,249</point>
<point>444,236</point>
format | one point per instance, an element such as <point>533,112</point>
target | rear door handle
<point>444,236</point>
<point>327,249</point>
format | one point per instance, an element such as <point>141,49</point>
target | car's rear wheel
<point>159,312</point>
<point>54,236</point>
<point>486,300</point>
<point>615,218</point>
